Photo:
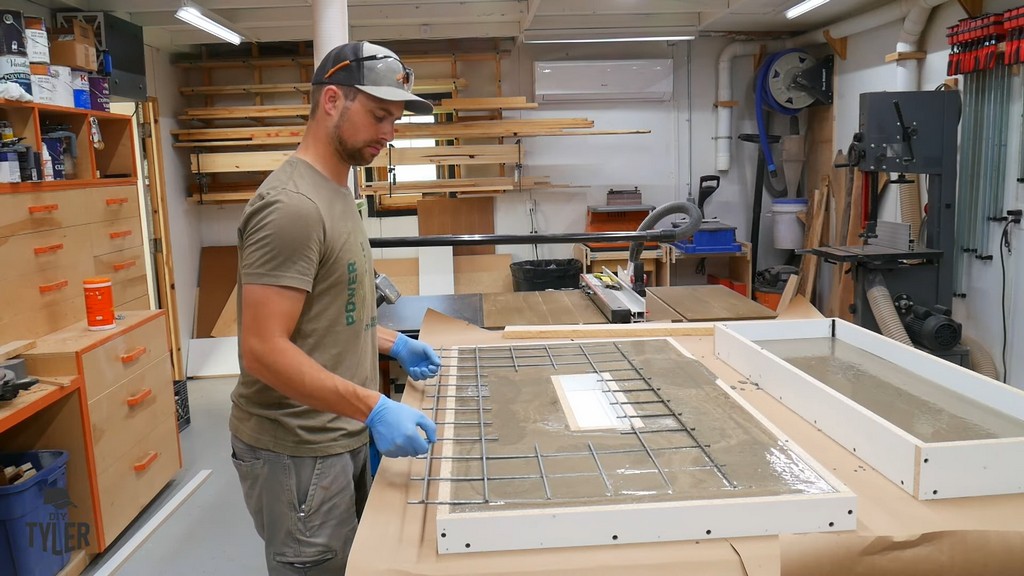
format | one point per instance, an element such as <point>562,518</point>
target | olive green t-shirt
<point>303,230</point>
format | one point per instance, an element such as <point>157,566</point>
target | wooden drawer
<point>29,253</point>
<point>127,270</point>
<point>129,411</point>
<point>39,322</point>
<point>115,235</point>
<point>131,482</point>
<point>112,203</point>
<point>39,290</point>
<point>117,360</point>
<point>23,212</point>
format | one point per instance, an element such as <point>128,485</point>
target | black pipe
<point>755,223</point>
<point>663,235</point>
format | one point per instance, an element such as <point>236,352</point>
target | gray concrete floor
<point>211,532</point>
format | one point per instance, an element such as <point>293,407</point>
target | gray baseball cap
<point>373,69</point>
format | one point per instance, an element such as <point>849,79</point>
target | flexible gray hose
<point>884,310</point>
<point>981,360</point>
<point>662,212</point>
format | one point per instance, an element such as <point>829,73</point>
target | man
<point>307,394</point>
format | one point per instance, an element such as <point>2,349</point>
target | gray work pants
<point>305,509</point>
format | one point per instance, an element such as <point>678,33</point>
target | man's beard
<point>353,155</point>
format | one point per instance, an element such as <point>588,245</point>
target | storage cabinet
<point>133,448</point>
<point>55,234</point>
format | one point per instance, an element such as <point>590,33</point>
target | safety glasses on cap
<point>387,71</point>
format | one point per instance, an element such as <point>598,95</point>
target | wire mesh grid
<point>468,457</point>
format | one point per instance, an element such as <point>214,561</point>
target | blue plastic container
<point>712,238</point>
<point>32,524</point>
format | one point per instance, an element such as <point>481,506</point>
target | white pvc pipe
<point>723,114</point>
<point>330,27</point>
<point>871,19</point>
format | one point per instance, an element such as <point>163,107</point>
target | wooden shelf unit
<point>734,267</point>
<point>111,165</point>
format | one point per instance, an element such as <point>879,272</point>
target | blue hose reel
<point>786,83</point>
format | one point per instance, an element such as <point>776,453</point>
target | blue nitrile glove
<point>395,428</point>
<point>417,358</point>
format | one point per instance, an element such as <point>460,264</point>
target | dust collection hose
<point>885,312</point>
<point>636,248</point>
<point>981,360</point>
<point>892,326</point>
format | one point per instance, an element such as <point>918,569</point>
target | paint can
<point>63,94</point>
<point>99,303</point>
<point>44,87</point>
<point>99,92</point>
<point>10,170</point>
<point>37,44</point>
<point>14,68</point>
<point>54,147</point>
<point>80,89</point>
<point>12,33</point>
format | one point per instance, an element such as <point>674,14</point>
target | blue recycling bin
<point>32,521</point>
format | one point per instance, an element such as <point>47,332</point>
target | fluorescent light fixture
<point>803,8</point>
<point>193,15</point>
<point>640,39</point>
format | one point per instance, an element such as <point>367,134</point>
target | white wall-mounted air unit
<point>603,80</point>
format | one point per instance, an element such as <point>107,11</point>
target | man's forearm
<point>385,339</point>
<point>285,367</point>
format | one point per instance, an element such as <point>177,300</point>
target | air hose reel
<point>786,83</point>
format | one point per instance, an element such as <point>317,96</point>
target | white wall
<point>163,81</point>
<point>866,71</point>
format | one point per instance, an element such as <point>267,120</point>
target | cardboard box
<point>74,46</point>
<point>81,31</point>
<point>72,54</point>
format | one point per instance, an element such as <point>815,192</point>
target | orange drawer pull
<point>116,201</point>
<point>146,462</point>
<point>59,284</point>
<point>40,208</point>
<point>51,248</point>
<point>139,398</point>
<point>133,355</point>
<point>120,234</point>
<point>124,265</point>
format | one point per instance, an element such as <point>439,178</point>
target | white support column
<point>330,26</point>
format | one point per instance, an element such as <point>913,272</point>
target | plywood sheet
<point>227,324</point>
<point>483,273</point>
<point>658,311</point>
<point>403,272</point>
<point>709,303</point>
<point>218,274</point>
<point>440,216</point>
<point>539,309</point>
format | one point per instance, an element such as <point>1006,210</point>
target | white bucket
<point>788,229</point>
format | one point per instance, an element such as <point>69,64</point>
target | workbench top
<point>896,534</point>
